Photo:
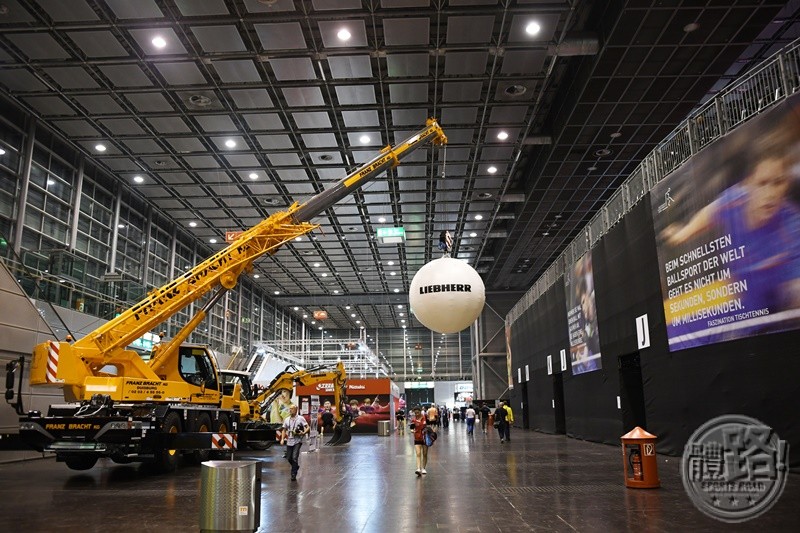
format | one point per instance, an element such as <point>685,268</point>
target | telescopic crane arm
<point>106,345</point>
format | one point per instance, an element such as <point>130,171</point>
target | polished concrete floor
<point>534,483</point>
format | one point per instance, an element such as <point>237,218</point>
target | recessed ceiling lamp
<point>616,135</point>
<point>364,139</point>
<point>390,263</point>
<point>484,195</point>
<point>399,306</point>
<point>298,239</point>
<point>212,241</point>
<point>138,179</point>
<point>192,224</point>
<point>253,176</point>
<point>532,28</point>
<point>343,34</point>
<point>51,182</point>
<point>347,307</point>
<point>602,152</point>
<point>502,135</point>
<point>592,168</point>
<point>2,152</point>
<point>326,157</point>
<point>358,322</point>
<point>276,293</point>
<point>100,147</point>
<point>296,308</point>
<point>352,315</point>
<point>397,290</point>
<point>478,217</point>
<point>382,220</point>
<point>324,275</point>
<point>230,143</point>
<point>336,291</point>
<point>392,273</point>
<point>692,26</point>
<point>491,170</point>
<point>159,42</point>
<point>473,234</point>
<point>316,265</point>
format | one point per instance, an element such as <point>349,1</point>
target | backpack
<point>429,436</point>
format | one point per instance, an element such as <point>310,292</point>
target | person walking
<point>433,415</point>
<point>470,414</point>
<point>508,419</point>
<point>418,424</point>
<point>401,421</point>
<point>485,412</point>
<point>500,415</point>
<point>294,429</point>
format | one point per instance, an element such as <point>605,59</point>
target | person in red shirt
<point>418,424</point>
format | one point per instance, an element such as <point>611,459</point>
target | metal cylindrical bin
<point>384,428</point>
<point>639,459</point>
<point>230,496</point>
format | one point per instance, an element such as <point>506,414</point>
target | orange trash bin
<point>639,459</point>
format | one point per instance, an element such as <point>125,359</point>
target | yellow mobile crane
<point>128,409</point>
<point>254,407</point>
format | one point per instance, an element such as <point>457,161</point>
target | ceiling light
<point>320,327</point>
<point>404,327</point>
<point>390,263</point>
<point>192,224</point>
<point>364,139</point>
<point>491,170</point>
<point>253,176</point>
<point>100,147</point>
<point>478,217</point>
<point>296,308</point>
<point>336,291</point>
<point>532,28</point>
<point>592,168</point>
<point>324,275</point>
<point>399,306</point>
<point>2,152</point>
<point>343,34</point>
<point>212,241</point>
<point>159,42</point>
<point>316,265</point>
<point>352,315</point>
<point>276,293</point>
<point>692,26</point>
<point>616,134</point>
<point>397,290</point>
<point>502,136</point>
<point>256,276</point>
<point>382,220</point>
<point>392,273</point>
<point>473,234</point>
<point>347,307</point>
<point>138,179</point>
<point>305,316</point>
<point>121,226</point>
<point>298,239</point>
<point>51,181</point>
<point>230,143</point>
<point>403,321</point>
<point>402,314</point>
<point>358,322</point>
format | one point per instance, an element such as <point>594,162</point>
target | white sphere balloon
<point>447,295</point>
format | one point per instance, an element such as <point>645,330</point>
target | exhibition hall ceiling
<point>221,112</point>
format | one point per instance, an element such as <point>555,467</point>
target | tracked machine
<point>118,405</point>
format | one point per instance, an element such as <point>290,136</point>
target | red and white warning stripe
<point>51,376</point>
<point>223,441</point>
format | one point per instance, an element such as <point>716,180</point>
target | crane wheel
<point>167,460</point>
<point>201,425</point>
<point>83,461</point>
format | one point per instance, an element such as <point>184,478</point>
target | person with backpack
<point>504,418</point>
<point>485,412</point>
<point>418,425</point>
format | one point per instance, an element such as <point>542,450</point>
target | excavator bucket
<point>341,435</point>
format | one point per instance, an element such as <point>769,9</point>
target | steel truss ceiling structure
<point>251,105</point>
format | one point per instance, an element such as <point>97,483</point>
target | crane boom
<point>106,345</point>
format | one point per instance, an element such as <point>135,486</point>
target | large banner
<point>584,337</point>
<point>727,227</point>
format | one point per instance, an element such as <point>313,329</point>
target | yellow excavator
<point>125,408</point>
<point>255,406</point>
